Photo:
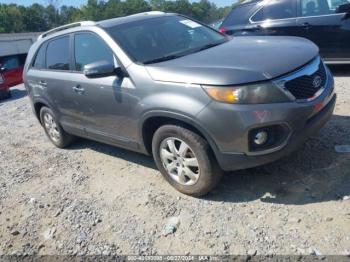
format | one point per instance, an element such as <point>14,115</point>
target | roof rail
<point>153,13</point>
<point>149,13</point>
<point>64,27</point>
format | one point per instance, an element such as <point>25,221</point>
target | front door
<point>104,107</point>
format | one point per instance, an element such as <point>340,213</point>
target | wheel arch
<point>37,105</point>
<point>153,120</point>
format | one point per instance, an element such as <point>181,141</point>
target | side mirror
<point>345,8</point>
<point>99,69</point>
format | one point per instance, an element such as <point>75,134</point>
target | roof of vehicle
<point>105,23</point>
<point>131,18</point>
<point>249,2</point>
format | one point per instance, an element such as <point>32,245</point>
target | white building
<point>17,43</point>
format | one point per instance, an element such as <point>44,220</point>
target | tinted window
<point>10,63</point>
<point>90,48</point>
<point>276,9</point>
<point>320,7</point>
<point>239,15</point>
<point>57,54</point>
<point>163,37</point>
<point>335,4</point>
<point>39,61</point>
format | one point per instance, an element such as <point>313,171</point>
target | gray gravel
<point>97,199</point>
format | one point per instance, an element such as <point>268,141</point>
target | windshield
<point>164,38</point>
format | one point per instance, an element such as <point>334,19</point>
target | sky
<point>81,2</point>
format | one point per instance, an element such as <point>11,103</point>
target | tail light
<point>222,30</point>
<point>1,79</point>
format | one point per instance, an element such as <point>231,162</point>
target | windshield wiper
<point>210,45</point>
<point>162,59</point>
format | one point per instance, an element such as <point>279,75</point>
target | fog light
<point>260,138</point>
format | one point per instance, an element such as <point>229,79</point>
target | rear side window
<point>89,48</point>
<point>57,54</point>
<point>321,7</point>
<point>239,15</point>
<point>39,62</point>
<point>276,9</point>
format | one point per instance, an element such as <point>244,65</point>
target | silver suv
<point>165,85</point>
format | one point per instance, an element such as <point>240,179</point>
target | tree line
<point>37,18</point>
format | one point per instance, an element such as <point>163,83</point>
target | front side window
<point>89,48</point>
<point>320,7</point>
<point>163,38</point>
<point>10,63</point>
<point>276,9</point>
<point>57,54</point>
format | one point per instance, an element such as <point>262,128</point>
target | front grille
<point>306,86</point>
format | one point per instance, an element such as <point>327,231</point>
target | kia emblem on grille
<point>316,83</point>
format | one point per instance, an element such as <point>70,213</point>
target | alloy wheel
<point>179,161</point>
<point>51,127</point>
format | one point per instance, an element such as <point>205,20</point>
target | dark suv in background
<point>325,22</point>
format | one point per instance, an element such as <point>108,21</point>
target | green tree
<point>69,14</point>
<point>34,18</point>
<point>17,18</point>
<point>114,8</point>
<point>136,6</point>
<point>93,10</point>
<point>11,18</point>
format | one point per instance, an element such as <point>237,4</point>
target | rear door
<point>57,77</point>
<point>320,23</point>
<point>276,17</point>
<point>50,76</point>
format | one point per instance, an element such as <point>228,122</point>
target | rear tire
<point>53,129</point>
<point>185,160</point>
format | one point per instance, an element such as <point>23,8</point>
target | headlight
<point>260,93</point>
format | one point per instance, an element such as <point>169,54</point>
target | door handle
<point>78,89</point>
<point>43,83</point>
<point>306,25</point>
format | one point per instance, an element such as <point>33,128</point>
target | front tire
<point>53,129</point>
<point>185,160</point>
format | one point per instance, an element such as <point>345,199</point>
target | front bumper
<point>228,126</point>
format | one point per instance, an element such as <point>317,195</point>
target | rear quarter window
<point>39,61</point>
<point>239,15</point>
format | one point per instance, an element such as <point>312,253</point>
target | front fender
<point>189,120</point>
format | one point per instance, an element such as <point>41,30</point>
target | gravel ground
<point>97,199</point>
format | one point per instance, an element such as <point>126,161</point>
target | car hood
<point>240,60</point>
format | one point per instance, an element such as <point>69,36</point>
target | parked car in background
<point>11,70</point>
<point>165,85</point>
<point>216,25</point>
<point>325,22</point>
